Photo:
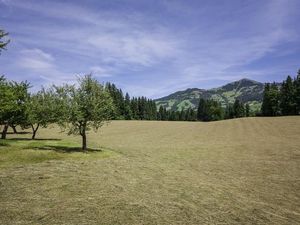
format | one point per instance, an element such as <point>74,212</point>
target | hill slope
<point>248,91</point>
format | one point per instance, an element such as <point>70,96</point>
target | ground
<point>241,171</point>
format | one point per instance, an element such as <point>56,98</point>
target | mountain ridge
<point>246,90</point>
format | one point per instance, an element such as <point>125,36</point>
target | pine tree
<point>297,92</point>
<point>287,97</point>
<point>238,109</point>
<point>160,113</point>
<point>266,105</point>
<point>274,100</point>
<point>134,108</point>
<point>182,115</point>
<point>127,108</point>
<point>201,109</point>
<point>209,110</point>
<point>229,114</point>
<point>247,110</point>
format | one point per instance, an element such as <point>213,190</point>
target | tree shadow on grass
<point>66,149</point>
<point>36,139</point>
<point>19,132</point>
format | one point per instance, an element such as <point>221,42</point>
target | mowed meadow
<point>240,171</point>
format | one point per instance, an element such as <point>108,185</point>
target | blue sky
<point>151,48</point>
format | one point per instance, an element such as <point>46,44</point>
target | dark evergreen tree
<point>238,109</point>
<point>288,97</point>
<point>201,112</point>
<point>209,110</point>
<point>127,108</point>
<point>247,110</point>
<point>182,115</point>
<point>266,104</point>
<point>229,113</point>
<point>274,98</point>
<point>134,108</point>
<point>297,92</point>
<point>160,113</point>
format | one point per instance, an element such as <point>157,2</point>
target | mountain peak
<point>248,80</point>
<point>245,82</point>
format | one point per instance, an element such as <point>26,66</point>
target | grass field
<point>241,171</point>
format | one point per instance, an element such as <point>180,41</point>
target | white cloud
<point>99,71</point>
<point>36,59</point>
<point>143,48</point>
<point>39,63</point>
<point>112,42</point>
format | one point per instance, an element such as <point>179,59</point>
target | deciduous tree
<point>87,106</point>
<point>42,109</point>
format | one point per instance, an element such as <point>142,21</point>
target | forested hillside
<point>245,90</point>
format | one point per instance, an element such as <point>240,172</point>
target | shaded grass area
<point>22,150</point>
<point>242,171</point>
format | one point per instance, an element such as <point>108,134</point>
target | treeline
<point>141,108</point>
<point>136,108</point>
<point>207,110</point>
<point>282,99</point>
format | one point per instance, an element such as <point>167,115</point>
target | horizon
<point>150,48</point>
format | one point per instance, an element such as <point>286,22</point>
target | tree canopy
<point>85,107</point>
<point>42,109</point>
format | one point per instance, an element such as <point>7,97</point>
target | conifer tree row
<point>282,99</point>
<point>136,108</point>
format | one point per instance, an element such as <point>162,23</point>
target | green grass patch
<point>26,151</point>
<point>3,143</point>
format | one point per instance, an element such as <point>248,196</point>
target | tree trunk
<point>34,130</point>
<point>82,128</point>
<point>14,129</point>
<point>84,147</point>
<point>4,132</point>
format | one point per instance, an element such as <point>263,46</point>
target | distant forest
<point>278,99</point>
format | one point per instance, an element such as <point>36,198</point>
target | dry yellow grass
<point>242,171</point>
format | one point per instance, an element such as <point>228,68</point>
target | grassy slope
<point>243,171</point>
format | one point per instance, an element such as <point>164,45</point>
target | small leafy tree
<point>42,109</point>
<point>6,104</point>
<point>13,98</point>
<point>87,106</point>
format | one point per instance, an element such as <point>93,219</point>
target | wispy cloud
<point>136,44</point>
<point>141,48</point>
<point>36,60</point>
<point>101,72</point>
<point>41,65</point>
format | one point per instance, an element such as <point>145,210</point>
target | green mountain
<point>248,91</point>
